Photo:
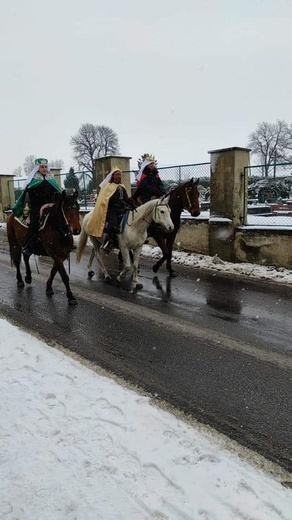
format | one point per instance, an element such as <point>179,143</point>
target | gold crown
<point>147,157</point>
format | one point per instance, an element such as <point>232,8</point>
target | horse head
<point>161,215</point>
<point>70,206</point>
<point>190,197</point>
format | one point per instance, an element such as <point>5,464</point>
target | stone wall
<point>193,236</point>
<point>257,246</point>
<point>264,246</point>
<point>7,198</point>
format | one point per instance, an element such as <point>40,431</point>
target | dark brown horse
<point>184,197</point>
<point>60,222</point>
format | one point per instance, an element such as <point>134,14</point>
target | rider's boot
<point>32,239</point>
<point>31,245</point>
<point>108,245</point>
<point>111,240</point>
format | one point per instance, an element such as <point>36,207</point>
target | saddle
<point>24,219</point>
<point>49,209</point>
<point>44,214</point>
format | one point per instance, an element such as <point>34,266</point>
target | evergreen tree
<point>71,181</point>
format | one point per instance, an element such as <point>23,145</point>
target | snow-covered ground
<point>215,264</point>
<point>77,445</point>
<point>279,221</point>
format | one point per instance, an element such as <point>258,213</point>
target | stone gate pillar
<point>7,196</point>
<point>103,165</point>
<point>228,199</point>
<point>57,175</point>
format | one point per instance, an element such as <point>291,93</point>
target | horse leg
<point>59,266</point>
<point>169,247</point>
<point>16,260</point>
<point>162,244</point>
<point>96,244</point>
<point>65,278</point>
<point>90,273</point>
<point>127,264</point>
<point>49,288</point>
<point>136,257</point>
<point>14,248</point>
<point>120,256</point>
<point>26,257</point>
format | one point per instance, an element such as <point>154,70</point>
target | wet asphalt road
<point>214,347</point>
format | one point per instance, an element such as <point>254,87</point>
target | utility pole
<point>275,166</point>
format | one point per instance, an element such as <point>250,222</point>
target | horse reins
<point>155,212</point>
<point>188,198</point>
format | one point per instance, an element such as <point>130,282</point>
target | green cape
<point>18,206</point>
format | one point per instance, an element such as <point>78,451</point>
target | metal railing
<point>171,175</point>
<point>269,195</point>
<point>84,186</point>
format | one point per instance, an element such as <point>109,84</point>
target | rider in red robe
<point>149,184</point>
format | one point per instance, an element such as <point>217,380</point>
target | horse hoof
<point>90,275</point>
<point>107,279</point>
<point>49,292</point>
<point>28,280</point>
<point>155,268</point>
<point>73,302</point>
<point>20,284</point>
<point>138,287</point>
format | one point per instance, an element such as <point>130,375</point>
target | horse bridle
<point>187,190</point>
<point>155,212</point>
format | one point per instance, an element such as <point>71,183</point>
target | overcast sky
<point>172,78</point>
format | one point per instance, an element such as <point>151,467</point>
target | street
<point>216,348</point>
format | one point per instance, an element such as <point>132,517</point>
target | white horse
<point>132,237</point>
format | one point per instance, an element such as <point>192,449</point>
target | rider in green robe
<point>40,188</point>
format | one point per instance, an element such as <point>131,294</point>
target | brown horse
<point>59,223</point>
<point>185,196</point>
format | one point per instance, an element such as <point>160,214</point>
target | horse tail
<point>82,239</point>
<point>14,247</point>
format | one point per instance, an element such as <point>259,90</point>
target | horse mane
<point>144,211</point>
<point>173,190</point>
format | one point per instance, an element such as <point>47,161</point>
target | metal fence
<point>84,186</point>
<point>269,195</point>
<point>172,175</point>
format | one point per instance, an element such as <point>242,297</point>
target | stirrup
<point>108,246</point>
<point>27,250</point>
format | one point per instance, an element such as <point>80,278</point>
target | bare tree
<point>109,140</point>
<point>91,142</point>
<point>57,163</point>
<point>271,143</point>
<point>29,164</point>
<point>17,172</point>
